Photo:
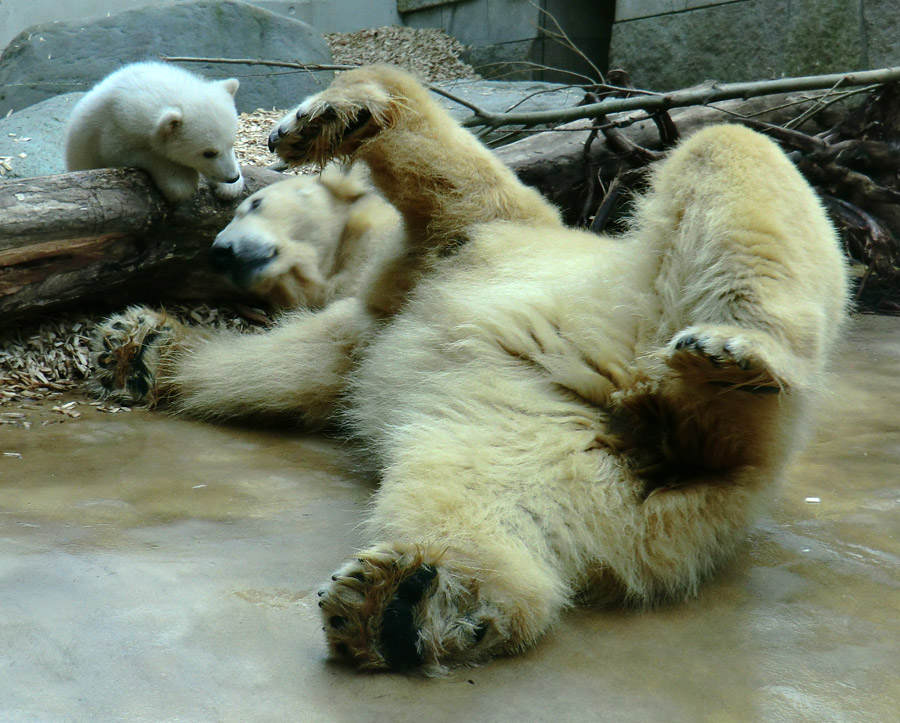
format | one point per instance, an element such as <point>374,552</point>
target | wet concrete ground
<point>164,569</point>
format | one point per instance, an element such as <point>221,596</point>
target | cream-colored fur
<point>555,416</point>
<point>307,240</point>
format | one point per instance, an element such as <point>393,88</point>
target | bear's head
<point>302,242</point>
<point>200,131</point>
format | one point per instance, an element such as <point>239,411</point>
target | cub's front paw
<point>406,609</point>
<point>725,356</point>
<point>126,351</point>
<point>228,191</point>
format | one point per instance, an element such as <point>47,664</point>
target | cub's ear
<point>231,85</point>
<point>169,122</point>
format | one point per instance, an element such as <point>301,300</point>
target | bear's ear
<point>343,187</point>
<point>231,85</point>
<point>168,122</point>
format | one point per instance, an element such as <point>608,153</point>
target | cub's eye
<point>210,154</point>
<point>254,204</point>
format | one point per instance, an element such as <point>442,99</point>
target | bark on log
<point>106,234</point>
<point>109,235</point>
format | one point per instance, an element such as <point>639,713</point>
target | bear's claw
<point>323,128</point>
<point>723,357</point>
<point>125,351</point>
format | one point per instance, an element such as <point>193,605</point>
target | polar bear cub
<point>172,123</point>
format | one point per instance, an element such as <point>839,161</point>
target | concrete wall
<point>326,16</point>
<point>507,37</point>
<point>667,44</point>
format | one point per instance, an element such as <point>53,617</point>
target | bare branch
<point>690,96</point>
<point>793,138</point>
<point>256,61</point>
<point>456,99</point>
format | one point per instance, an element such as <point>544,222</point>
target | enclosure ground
<point>156,568</point>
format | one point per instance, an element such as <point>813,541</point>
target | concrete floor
<point>163,569</point>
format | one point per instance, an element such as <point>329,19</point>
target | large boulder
<point>31,141</point>
<point>55,58</point>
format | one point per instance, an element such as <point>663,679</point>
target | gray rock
<point>498,96</point>
<point>54,58</point>
<point>31,141</point>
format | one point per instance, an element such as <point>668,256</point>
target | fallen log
<point>109,235</point>
<point>106,234</point>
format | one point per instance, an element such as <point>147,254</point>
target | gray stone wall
<point>507,38</point>
<point>691,41</point>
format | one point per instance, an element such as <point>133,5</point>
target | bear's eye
<point>210,153</point>
<point>254,204</point>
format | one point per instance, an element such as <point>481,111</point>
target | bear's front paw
<point>228,191</point>
<point>406,609</point>
<point>724,356</point>
<point>126,351</point>
<point>324,127</point>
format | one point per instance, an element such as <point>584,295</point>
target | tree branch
<point>256,61</point>
<point>702,95</point>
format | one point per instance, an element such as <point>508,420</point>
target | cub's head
<point>290,242</point>
<point>199,131</point>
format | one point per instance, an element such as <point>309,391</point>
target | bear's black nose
<point>221,257</point>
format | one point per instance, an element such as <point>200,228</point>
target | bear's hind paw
<point>725,357</point>
<point>404,609</point>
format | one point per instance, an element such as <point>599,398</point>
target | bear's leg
<point>491,526</point>
<point>752,291</point>
<point>175,182</point>
<point>441,179</point>
<point>479,529</point>
<point>296,370</point>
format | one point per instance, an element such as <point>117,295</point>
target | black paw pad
<point>337,621</point>
<point>138,387</point>
<point>361,119</point>
<point>329,115</point>
<point>399,634</point>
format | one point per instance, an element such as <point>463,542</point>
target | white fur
<point>172,123</point>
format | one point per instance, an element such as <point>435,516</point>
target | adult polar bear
<point>556,417</point>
